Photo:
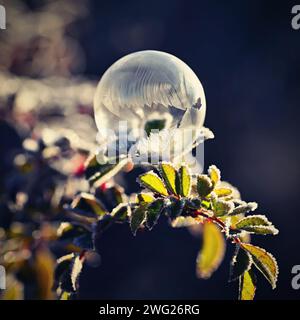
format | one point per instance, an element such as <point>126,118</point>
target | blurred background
<point>247,56</point>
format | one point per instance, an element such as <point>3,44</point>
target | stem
<point>206,214</point>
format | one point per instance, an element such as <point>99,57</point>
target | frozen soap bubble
<point>149,85</point>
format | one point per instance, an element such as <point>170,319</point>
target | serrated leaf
<point>222,207</point>
<point>175,208</point>
<point>153,182</point>
<point>264,262</point>
<point>145,198</point>
<point>258,224</point>
<point>137,218</point>
<point>153,212</point>
<point>170,176</point>
<point>244,208</point>
<point>76,270</point>
<point>240,263</point>
<point>247,286</point>
<point>204,185</point>
<point>263,230</point>
<point>185,181</point>
<point>180,222</point>
<point>223,192</point>
<point>255,220</point>
<point>212,251</point>
<point>214,174</point>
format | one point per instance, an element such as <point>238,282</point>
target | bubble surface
<point>149,85</point>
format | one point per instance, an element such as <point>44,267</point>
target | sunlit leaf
<point>121,212</point>
<point>247,286</point>
<point>204,185</point>
<point>244,208</point>
<point>212,251</point>
<point>185,181</point>
<point>153,212</point>
<point>214,174</point>
<point>153,182</point>
<point>258,224</point>
<point>264,262</point>
<point>223,192</point>
<point>222,207</point>
<point>170,176</point>
<point>241,262</point>
<point>181,221</point>
<point>145,197</point>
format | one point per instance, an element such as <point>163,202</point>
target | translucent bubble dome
<point>149,85</point>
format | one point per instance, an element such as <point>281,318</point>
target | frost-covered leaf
<point>152,181</point>
<point>180,222</point>
<point>258,224</point>
<point>121,212</point>
<point>175,207</point>
<point>247,286</point>
<point>153,212</point>
<point>223,192</point>
<point>204,185</point>
<point>170,176</point>
<point>185,181</point>
<point>137,218</point>
<point>88,203</point>
<point>241,262</point>
<point>145,197</point>
<point>100,173</point>
<point>76,270</point>
<point>212,251</point>
<point>214,174</point>
<point>222,207</point>
<point>264,262</point>
<point>244,208</point>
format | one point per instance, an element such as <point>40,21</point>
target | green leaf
<point>137,218</point>
<point>153,182</point>
<point>258,224</point>
<point>185,181</point>
<point>244,208</point>
<point>145,198</point>
<point>153,212</point>
<point>175,208</point>
<point>214,174</point>
<point>247,286</point>
<point>204,185</point>
<point>223,192</point>
<point>212,251</point>
<point>222,207</point>
<point>181,221</point>
<point>241,262</point>
<point>264,262</point>
<point>170,176</point>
